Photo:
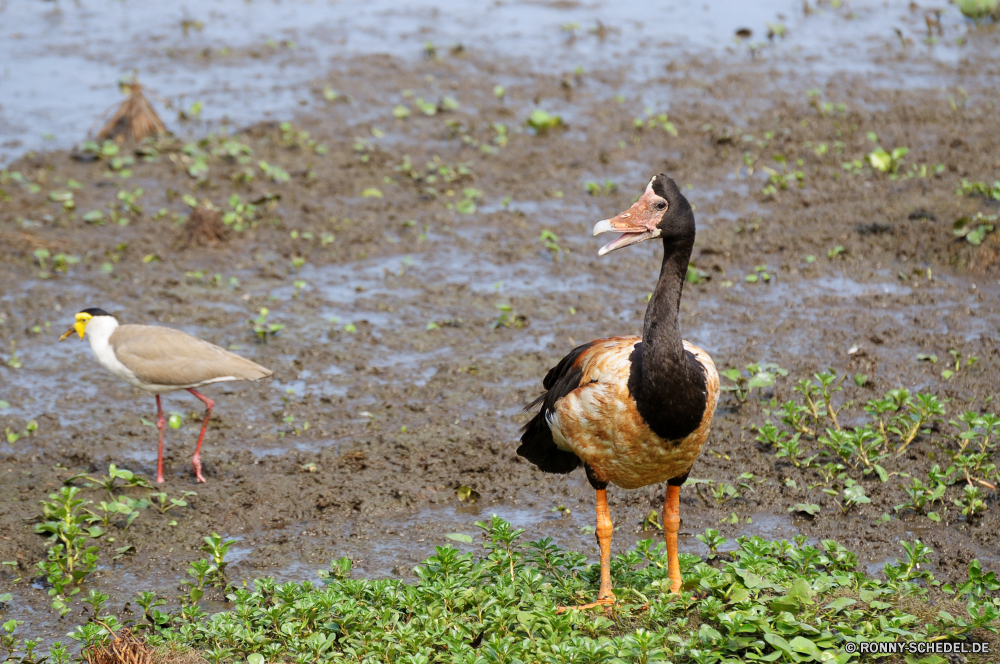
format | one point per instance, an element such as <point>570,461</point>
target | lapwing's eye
<point>661,206</point>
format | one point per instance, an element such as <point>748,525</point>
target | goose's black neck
<point>667,383</point>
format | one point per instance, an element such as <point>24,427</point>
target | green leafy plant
<point>760,376</point>
<point>908,570</point>
<point>696,275</point>
<point>165,503</point>
<point>217,548</point>
<point>914,415</point>
<point>967,188</point>
<point>467,205</point>
<point>723,492</point>
<point>70,560</point>
<point>979,10</point>
<point>13,436</point>
<point>974,229</point>
<point>971,502</point>
<point>763,601</point>
<point>978,584</point>
<point>108,482</point>
<point>853,494</point>
<point>789,448</point>
<point>921,496</point>
<point>861,448</point>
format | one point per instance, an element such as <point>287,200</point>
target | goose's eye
<point>661,206</point>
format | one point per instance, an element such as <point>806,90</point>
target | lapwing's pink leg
<point>196,459</point>
<point>161,424</point>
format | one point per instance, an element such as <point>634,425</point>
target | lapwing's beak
<point>78,327</point>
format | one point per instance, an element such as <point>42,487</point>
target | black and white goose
<point>633,411</point>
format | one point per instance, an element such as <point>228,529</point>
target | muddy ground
<point>400,412</point>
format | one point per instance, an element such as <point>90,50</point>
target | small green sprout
<point>723,492</point>
<point>541,121</point>
<point>809,509</point>
<point>551,242</point>
<point>426,107</point>
<point>14,362</point>
<point>651,522</point>
<point>509,318</point>
<point>273,172</point>
<point>597,189</point>
<point>696,275</point>
<point>262,328</point>
<point>165,503</point>
<point>713,540</point>
<point>854,494</point>
<point>971,502</point>
<point>887,162</point>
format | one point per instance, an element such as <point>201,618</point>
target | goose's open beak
<point>637,224</point>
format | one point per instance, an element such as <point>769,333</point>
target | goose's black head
<point>661,211</point>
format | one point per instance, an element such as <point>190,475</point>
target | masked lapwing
<point>159,360</point>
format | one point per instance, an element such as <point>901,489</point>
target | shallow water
<point>61,60</point>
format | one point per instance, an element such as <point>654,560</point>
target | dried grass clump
<point>135,117</point>
<point>205,227</point>
<point>126,647</point>
<point>174,655</point>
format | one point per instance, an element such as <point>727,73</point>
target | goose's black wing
<point>537,445</point>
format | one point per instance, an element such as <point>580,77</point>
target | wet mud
<point>394,384</point>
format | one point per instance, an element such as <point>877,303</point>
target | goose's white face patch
<point>638,223</point>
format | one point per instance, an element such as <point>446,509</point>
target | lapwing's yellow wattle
<point>78,327</point>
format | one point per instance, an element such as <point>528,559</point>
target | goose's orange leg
<point>671,524</point>
<point>196,459</point>
<point>604,529</point>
